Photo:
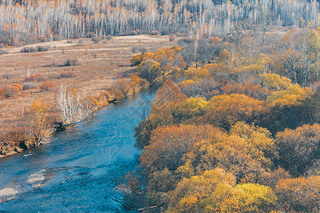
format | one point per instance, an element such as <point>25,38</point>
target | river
<point>78,171</point>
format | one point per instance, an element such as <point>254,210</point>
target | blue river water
<point>79,170</point>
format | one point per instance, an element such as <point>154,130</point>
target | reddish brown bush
<point>42,38</point>
<point>247,88</point>
<point>18,86</point>
<point>9,91</point>
<point>46,86</point>
<point>36,77</point>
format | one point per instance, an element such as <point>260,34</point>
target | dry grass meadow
<point>98,65</point>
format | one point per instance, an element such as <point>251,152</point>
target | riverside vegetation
<point>234,126</point>
<point>239,133</point>
<point>54,90</point>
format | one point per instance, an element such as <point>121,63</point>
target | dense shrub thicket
<point>240,131</point>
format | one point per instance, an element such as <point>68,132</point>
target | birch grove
<point>67,19</point>
<point>72,108</point>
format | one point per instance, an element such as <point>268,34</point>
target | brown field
<point>99,66</point>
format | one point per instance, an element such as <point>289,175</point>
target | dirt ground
<point>99,66</point>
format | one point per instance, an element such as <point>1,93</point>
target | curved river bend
<point>79,170</point>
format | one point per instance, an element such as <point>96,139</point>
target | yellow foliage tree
<point>37,123</point>
<point>225,110</point>
<point>292,96</point>
<point>216,191</point>
<point>262,145</point>
<point>275,82</point>
<point>191,107</point>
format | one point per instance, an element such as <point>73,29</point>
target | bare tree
<point>72,108</point>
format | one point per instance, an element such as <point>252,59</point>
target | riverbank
<point>90,66</point>
<point>81,168</point>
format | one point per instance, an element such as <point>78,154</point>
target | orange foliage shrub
<point>212,68</point>
<point>215,40</point>
<point>101,100</point>
<point>121,89</point>
<point>169,144</point>
<point>187,83</point>
<point>18,87</point>
<point>167,57</point>
<point>197,73</point>
<point>247,88</point>
<point>167,97</point>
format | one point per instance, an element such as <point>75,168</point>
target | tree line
<point>25,21</point>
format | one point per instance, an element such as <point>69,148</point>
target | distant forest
<point>28,21</point>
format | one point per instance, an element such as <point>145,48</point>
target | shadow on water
<point>79,170</point>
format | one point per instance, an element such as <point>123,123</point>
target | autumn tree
<point>283,92</point>
<point>247,88</point>
<point>292,96</point>
<point>228,58</point>
<point>121,88</point>
<point>169,144</point>
<point>263,145</point>
<point>150,70</point>
<point>216,191</point>
<point>299,194</point>
<point>72,107</point>
<point>199,88</point>
<point>275,82</point>
<point>135,82</point>
<point>38,124</point>
<point>225,110</point>
<point>159,185</point>
<point>247,152</point>
<point>161,112</point>
<point>298,148</point>
<point>189,109</point>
